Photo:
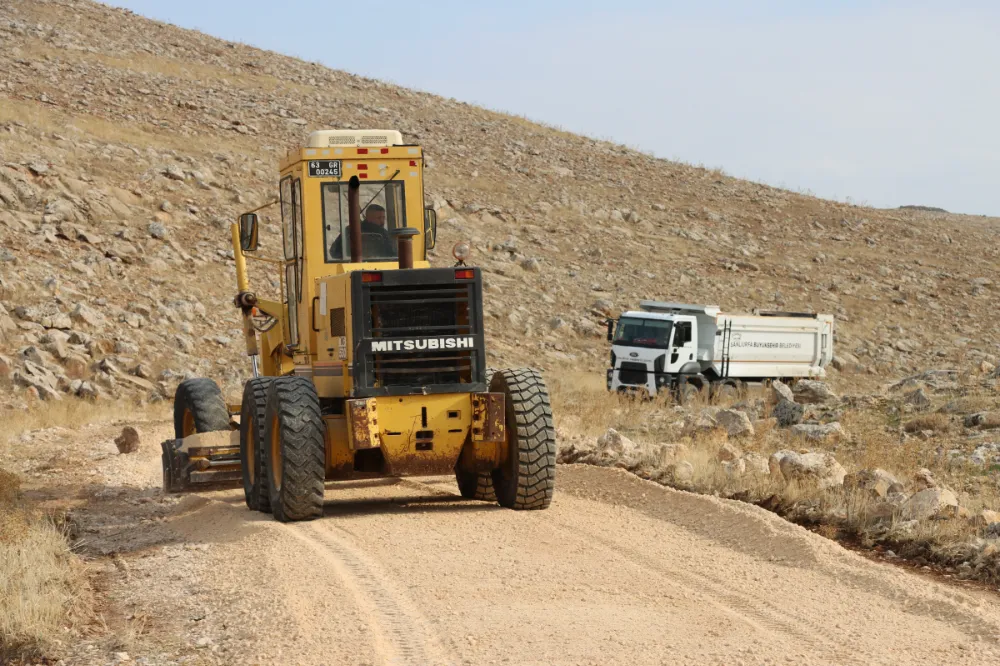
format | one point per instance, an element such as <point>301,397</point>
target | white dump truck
<point>691,348</point>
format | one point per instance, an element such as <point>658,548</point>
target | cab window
<point>291,231</point>
<point>382,210</point>
<point>643,332</point>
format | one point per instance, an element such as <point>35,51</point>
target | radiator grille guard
<point>418,331</point>
<point>632,373</point>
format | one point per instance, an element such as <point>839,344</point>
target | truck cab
<point>651,350</point>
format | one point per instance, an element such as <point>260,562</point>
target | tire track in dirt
<point>758,613</point>
<point>403,635</point>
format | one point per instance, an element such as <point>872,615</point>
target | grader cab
<point>372,363</point>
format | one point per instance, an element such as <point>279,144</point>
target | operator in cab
<point>375,240</point>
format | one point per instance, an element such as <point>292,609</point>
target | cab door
<point>291,231</point>
<point>682,345</point>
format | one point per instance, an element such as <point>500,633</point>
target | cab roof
<point>369,138</point>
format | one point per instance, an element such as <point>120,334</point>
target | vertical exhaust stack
<point>404,245</point>
<point>354,217</point>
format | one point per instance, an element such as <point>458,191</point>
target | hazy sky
<point>884,103</point>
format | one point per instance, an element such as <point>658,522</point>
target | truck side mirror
<point>430,227</point>
<point>248,232</point>
<point>611,329</point>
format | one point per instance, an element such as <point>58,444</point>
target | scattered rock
<point>810,391</point>
<point>918,398</point>
<point>818,432</point>
<point>878,482</point>
<point>728,452</point>
<point>128,440</point>
<point>788,413</point>
<point>157,230</point>
<point>923,479</point>
<point>781,391</point>
<point>613,441</point>
<point>818,469</point>
<point>937,503</point>
<point>736,423</point>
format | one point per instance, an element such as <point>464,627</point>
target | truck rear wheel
<point>252,420</point>
<point>526,479</point>
<point>199,407</point>
<point>727,390</point>
<point>294,449</point>
<point>688,390</point>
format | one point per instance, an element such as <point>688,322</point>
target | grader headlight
<point>461,251</point>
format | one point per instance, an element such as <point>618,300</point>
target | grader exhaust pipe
<point>404,244</point>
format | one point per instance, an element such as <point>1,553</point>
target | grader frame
<point>372,363</point>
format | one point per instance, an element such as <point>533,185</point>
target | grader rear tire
<point>526,480</point>
<point>294,449</point>
<point>252,420</point>
<point>478,485</point>
<point>199,407</point>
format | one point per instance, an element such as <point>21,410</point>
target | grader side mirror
<point>430,227</point>
<point>248,232</point>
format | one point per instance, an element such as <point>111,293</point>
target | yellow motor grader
<point>372,364</point>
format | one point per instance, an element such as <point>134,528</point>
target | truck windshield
<point>643,332</point>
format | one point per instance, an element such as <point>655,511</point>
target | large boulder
<point>701,423</point>
<point>736,423</point>
<point>936,503</point>
<point>615,443</point>
<point>818,432</point>
<point>788,413</point>
<point>816,469</point>
<point>128,440</point>
<point>811,392</point>
<point>877,482</point>
<point>781,391</point>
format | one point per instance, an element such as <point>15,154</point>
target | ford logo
<point>634,354</point>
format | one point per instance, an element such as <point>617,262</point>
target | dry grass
<point>584,409</point>
<point>73,413</point>
<point>931,422</point>
<point>42,584</point>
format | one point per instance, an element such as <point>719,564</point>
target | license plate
<point>324,169</point>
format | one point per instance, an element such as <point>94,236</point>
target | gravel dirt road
<point>617,571</point>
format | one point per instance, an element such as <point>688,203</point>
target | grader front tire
<point>295,449</point>
<point>252,420</point>
<point>199,407</point>
<point>526,480</point>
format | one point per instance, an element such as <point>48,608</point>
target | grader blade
<point>201,462</point>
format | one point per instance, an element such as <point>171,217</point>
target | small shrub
<point>934,422</point>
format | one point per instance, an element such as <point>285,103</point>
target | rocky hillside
<point>127,146</point>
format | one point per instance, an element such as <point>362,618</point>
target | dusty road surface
<point>618,571</point>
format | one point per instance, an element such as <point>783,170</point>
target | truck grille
<point>632,373</point>
<point>417,311</point>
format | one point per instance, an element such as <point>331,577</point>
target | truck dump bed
<point>751,346</point>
